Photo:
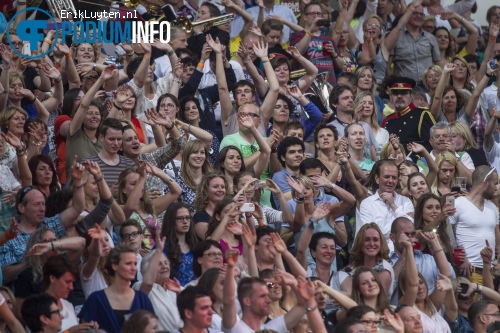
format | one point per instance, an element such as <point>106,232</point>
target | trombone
<point>184,23</point>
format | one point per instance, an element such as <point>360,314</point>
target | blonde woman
<point>465,143</point>
<point>364,106</point>
<point>447,171</point>
<point>430,79</point>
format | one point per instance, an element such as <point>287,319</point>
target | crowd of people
<point>206,184</point>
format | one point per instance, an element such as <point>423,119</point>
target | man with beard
<point>476,220</point>
<point>409,123</point>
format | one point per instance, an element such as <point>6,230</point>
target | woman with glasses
<point>42,245</point>
<point>207,254</point>
<point>181,239</point>
<point>161,290</point>
<point>137,203</point>
<point>110,307</point>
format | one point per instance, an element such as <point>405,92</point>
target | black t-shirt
<point>24,286</point>
<point>201,216</point>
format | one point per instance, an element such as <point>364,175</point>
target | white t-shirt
<point>95,283</point>
<point>473,227</point>
<point>69,316</point>
<point>165,305</point>
<point>493,155</point>
<point>277,324</point>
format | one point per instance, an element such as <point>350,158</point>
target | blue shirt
<point>280,179</point>
<point>426,265</point>
<point>13,251</point>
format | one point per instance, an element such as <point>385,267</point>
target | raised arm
<point>161,204</point>
<point>70,67</point>
<point>431,163</point>
<point>471,106</point>
<point>390,40</point>
<point>345,301</point>
<point>437,101</point>
<point>199,133</point>
<point>258,81</point>
<point>6,55</point>
<point>149,277</point>
<point>411,274</point>
<point>487,256</point>
<point>488,52</point>
<point>311,70</point>
<point>269,102</point>
<point>70,215</point>
<point>296,268</point>
<point>25,175</point>
<point>232,215</point>
<point>489,139</point>
<point>79,116</point>
<point>56,99</point>
<point>359,191</point>
<point>249,239</point>
<point>229,292</point>
<point>94,251</point>
<point>142,71</point>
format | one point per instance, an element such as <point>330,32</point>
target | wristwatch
<point>308,309</point>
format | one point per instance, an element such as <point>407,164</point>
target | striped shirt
<point>112,172</point>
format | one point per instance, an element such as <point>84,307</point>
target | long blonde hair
<point>373,118</point>
<point>464,131</point>
<point>440,159</point>
<point>187,173</point>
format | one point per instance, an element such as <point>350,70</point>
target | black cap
<point>401,83</point>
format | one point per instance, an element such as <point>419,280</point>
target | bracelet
<point>200,64</point>
<point>116,106</point>
<point>178,81</point>
<point>145,55</point>
<point>20,152</point>
<point>34,99</point>
<point>57,81</point>
<point>492,39</point>
<point>170,53</point>
<point>189,128</point>
<point>299,200</point>
<point>93,67</point>
<point>462,20</point>
<point>308,33</point>
<point>169,128</point>
<point>369,40</point>
<point>48,41</point>
<point>52,245</point>
<point>9,234</point>
<point>99,178</point>
<point>69,55</point>
<point>488,75</point>
<point>487,262</point>
<point>36,144</point>
<point>311,309</point>
<point>224,61</point>
<point>264,61</point>
<point>21,3</point>
<point>274,150</point>
<point>247,61</point>
<point>130,54</point>
<point>410,7</point>
<point>479,288</point>
<point>79,186</point>
<point>441,249</point>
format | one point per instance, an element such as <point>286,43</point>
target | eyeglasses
<point>428,27</point>
<point>131,235</point>
<point>418,14</point>
<point>371,322</point>
<point>90,114</point>
<point>55,311</point>
<point>496,314</point>
<point>314,13</point>
<point>489,173</point>
<point>167,106</point>
<point>16,44</point>
<point>271,285</point>
<point>183,218</point>
<point>444,136</point>
<point>373,25</point>
<point>213,254</point>
<point>91,78</point>
<point>253,115</point>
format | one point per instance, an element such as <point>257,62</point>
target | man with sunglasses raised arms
<point>476,220</point>
<point>409,123</point>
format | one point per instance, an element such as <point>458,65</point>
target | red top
<point>138,128</point>
<point>60,147</point>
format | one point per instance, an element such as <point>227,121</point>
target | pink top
<point>225,247</point>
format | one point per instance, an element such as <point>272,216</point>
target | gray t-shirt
<point>81,145</point>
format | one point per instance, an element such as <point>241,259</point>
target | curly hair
<point>461,99</point>
<point>168,231</point>
<point>187,173</point>
<point>201,200</point>
<point>357,255</point>
<point>35,262</point>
